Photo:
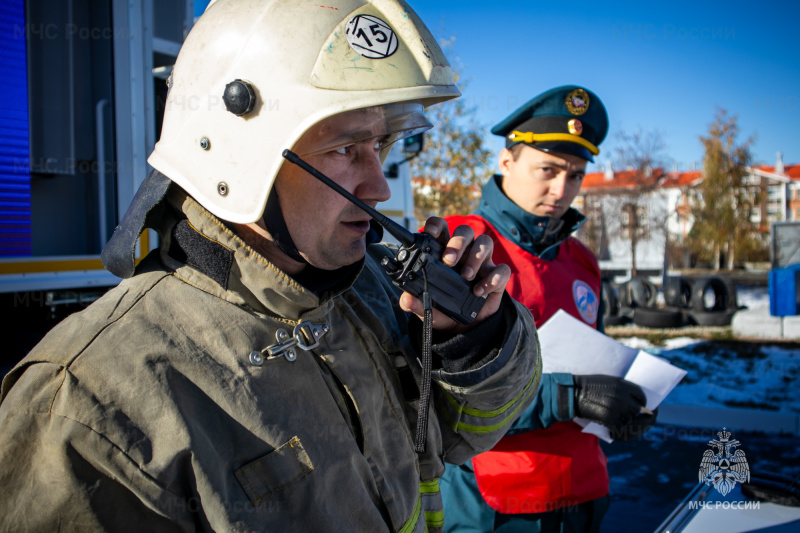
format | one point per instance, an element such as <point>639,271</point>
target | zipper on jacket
<point>347,406</point>
<point>344,400</point>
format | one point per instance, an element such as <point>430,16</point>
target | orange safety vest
<point>559,466</point>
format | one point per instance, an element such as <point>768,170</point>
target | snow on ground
<point>733,373</point>
<point>650,477</point>
<point>646,345</point>
<point>752,297</point>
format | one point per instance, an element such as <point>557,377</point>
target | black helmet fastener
<point>239,97</point>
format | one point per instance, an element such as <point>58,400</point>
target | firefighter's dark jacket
<point>159,408</point>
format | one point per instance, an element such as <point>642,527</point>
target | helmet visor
<point>389,123</point>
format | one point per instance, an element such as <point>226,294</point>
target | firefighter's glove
<point>608,400</point>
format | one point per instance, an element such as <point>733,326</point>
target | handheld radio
<point>417,265</point>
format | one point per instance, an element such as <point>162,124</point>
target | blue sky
<point>662,66</point>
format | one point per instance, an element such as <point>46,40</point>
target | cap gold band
<point>530,137</point>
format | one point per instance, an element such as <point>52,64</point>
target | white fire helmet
<point>254,75</point>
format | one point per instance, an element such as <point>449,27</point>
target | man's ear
<point>504,161</point>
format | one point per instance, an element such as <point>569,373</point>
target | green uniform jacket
<point>148,412</point>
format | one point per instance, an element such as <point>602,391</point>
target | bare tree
<point>628,210</point>
<point>454,164</point>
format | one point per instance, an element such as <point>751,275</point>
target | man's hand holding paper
<point>604,403</point>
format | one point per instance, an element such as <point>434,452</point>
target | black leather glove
<point>634,431</point>
<point>608,400</point>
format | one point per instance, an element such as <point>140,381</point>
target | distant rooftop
<point>624,179</point>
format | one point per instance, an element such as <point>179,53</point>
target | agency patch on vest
<point>586,301</point>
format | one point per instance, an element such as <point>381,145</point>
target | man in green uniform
<point>546,475</point>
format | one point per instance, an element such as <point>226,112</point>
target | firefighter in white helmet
<point>259,371</point>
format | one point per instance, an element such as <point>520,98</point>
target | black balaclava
<point>317,280</point>
<point>276,226</point>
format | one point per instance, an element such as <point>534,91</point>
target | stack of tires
<point>705,301</point>
<point>611,309</point>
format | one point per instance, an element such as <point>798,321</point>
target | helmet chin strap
<point>276,226</point>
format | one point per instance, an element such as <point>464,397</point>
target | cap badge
<point>577,102</point>
<point>575,126</point>
<point>371,37</point>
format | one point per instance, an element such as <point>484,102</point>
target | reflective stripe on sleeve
<point>471,420</point>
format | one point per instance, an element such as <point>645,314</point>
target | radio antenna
<point>398,232</point>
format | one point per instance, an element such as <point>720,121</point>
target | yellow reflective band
<point>32,265</point>
<point>434,519</point>
<point>530,137</point>
<point>471,411</point>
<point>469,428</point>
<point>411,523</point>
<point>429,487</point>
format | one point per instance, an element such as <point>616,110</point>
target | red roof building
<point>781,181</point>
<point>631,213</point>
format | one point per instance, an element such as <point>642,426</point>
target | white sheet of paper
<point>655,376</point>
<point>569,345</point>
<point>600,431</point>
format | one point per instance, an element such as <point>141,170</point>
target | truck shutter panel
<point>15,179</point>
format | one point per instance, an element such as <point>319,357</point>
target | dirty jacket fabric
<point>159,409</point>
<point>557,465</point>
